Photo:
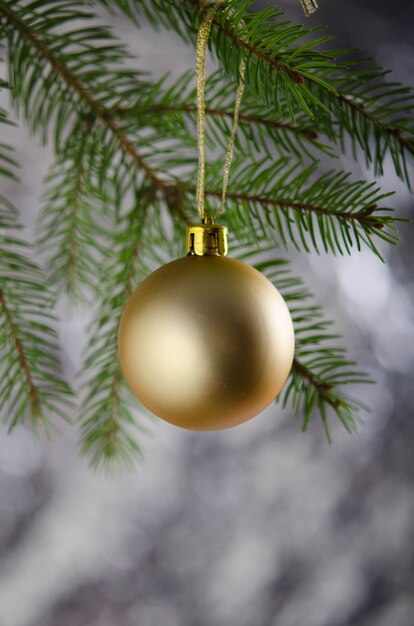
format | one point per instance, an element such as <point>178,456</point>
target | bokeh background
<point>257,526</point>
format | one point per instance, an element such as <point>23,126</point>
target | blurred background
<point>256,526</point>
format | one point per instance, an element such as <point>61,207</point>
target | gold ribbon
<point>309,7</point>
<point>202,41</point>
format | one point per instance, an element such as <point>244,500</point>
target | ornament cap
<point>206,239</point>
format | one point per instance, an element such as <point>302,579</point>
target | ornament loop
<point>206,239</point>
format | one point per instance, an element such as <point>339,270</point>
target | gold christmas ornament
<point>206,342</point>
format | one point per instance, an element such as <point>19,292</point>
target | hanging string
<point>230,147</point>
<point>309,7</point>
<point>202,41</point>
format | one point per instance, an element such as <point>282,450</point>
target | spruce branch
<point>70,219</point>
<point>117,136</point>
<point>320,369</point>
<point>172,107</point>
<point>228,114</point>
<point>244,118</point>
<point>276,53</point>
<point>107,414</point>
<point>30,371</point>
<point>348,97</point>
<point>328,212</point>
<point>366,108</point>
<point>307,391</point>
<point>30,30</point>
<point>71,99</point>
<point>32,381</point>
<point>31,389</point>
<point>375,115</point>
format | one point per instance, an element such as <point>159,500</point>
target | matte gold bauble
<point>206,342</point>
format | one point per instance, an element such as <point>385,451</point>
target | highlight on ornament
<point>206,342</point>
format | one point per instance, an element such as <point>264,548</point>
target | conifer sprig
<point>320,368</point>
<point>329,212</point>
<point>32,383</point>
<point>31,379</point>
<point>122,187</point>
<point>360,103</point>
<point>108,412</point>
<point>64,88</point>
<point>173,108</point>
<point>73,221</point>
<point>362,109</point>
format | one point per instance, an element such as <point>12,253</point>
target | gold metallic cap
<point>309,6</point>
<point>208,238</point>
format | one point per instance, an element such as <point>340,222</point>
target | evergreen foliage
<point>31,384</point>
<point>122,188</point>
<point>320,367</point>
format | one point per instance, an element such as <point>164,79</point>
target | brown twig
<point>361,217</point>
<point>304,371</point>
<point>22,359</point>
<point>277,65</point>
<point>389,130</point>
<point>243,118</point>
